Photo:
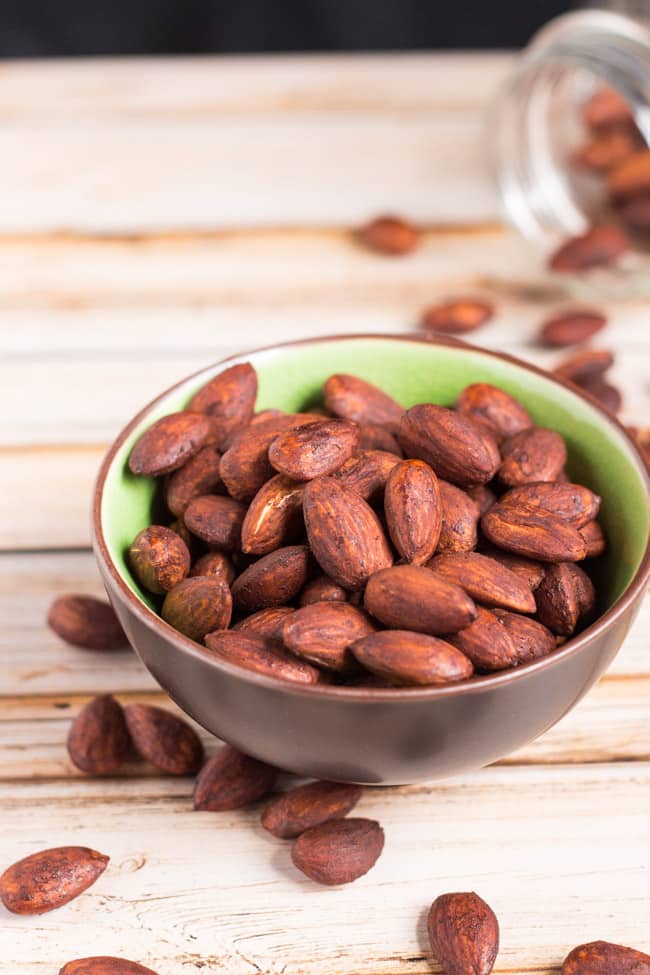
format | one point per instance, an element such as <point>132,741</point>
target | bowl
<point>385,736</point>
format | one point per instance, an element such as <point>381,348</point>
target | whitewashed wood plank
<point>189,891</point>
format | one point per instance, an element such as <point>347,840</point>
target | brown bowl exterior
<point>369,736</point>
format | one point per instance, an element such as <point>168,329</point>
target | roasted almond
<point>338,851</point>
<point>216,520</point>
<point>457,316</point>
<point>463,934</point>
<point>50,878</point>
<point>607,150</point>
<point>309,805</point>
<point>607,108</point>
<point>599,246</point>
<point>407,658</point>
<point>262,655</point>
<point>594,539</point>
<point>486,642</point>
<point>501,413</point>
<point>163,739</point>
<point>631,178</point>
<point>98,741</point>
<point>408,597</point>
<point>159,558</point>
<point>530,638</point>
<point>449,443</point>
<point>533,532</point>
<point>607,395</point>
<point>169,443</point>
<point>533,455</point>
<point>585,365</point>
<point>273,580</point>
<point>86,622</point>
<point>344,533</point>
<point>413,510</point>
<point>231,780</point>
<point>197,606</point>
<point>355,399</point>
<point>229,397</point>
<point>366,473</point>
<point>180,528</point>
<point>482,496</point>
<point>390,235</point>
<point>199,475</point>
<point>529,570</point>
<point>485,580</point>
<point>573,503</point>
<point>274,514</point>
<point>314,449</point>
<point>604,958</point>
<point>460,517</point>
<point>265,622</point>
<point>565,598</point>
<point>104,965</point>
<point>571,327</point>
<point>322,589</point>
<point>323,632</point>
<point>215,564</point>
<point>374,437</point>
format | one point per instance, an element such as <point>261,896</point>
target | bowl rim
<point>474,685</point>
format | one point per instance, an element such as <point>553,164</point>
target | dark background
<point>32,28</point>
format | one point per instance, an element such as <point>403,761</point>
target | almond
<point>273,580</point>
<point>607,395</point>
<point>163,739</point>
<point>607,108</point>
<point>314,449</point>
<point>197,606</point>
<point>169,443</point>
<point>180,528</point>
<point>485,580</point>
<point>604,958</point>
<point>98,741</point>
<point>599,246</point>
<point>594,539</point>
<point>631,178</point>
<point>355,399</point>
<point>50,878</point>
<point>104,965</point>
<point>199,475</point>
<point>635,214</point>
<point>573,503</point>
<point>323,632</point>
<point>408,597</point>
<point>533,455</point>
<point>344,533</point>
<point>216,520</point>
<point>390,235</point>
<point>531,531</point>
<point>261,655</point>
<point>338,851</point>
<point>482,496</point>
<point>530,571</point>
<point>230,397</point>
<point>322,589</point>
<point>273,514</point>
<point>404,657</point>
<point>366,473</point>
<point>458,316</point>
<point>309,805</point>
<point>607,150</point>
<point>585,365</point>
<point>215,564</point>
<point>486,642</point>
<point>86,622</point>
<point>460,517</point>
<point>464,934</point>
<point>413,510</point>
<point>449,443</point>
<point>565,598</point>
<point>571,327</point>
<point>501,413</point>
<point>267,623</point>
<point>530,638</point>
<point>159,558</point>
<point>374,437</point>
<point>231,780</point>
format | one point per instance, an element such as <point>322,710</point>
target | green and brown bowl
<point>373,735</point>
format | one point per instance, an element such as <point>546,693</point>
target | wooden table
<point>154,217</point>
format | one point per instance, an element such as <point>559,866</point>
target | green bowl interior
<point>291,377</point>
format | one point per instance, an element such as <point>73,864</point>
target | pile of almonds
<point>365,544</point>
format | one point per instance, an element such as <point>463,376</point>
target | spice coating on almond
<point>323,632</point>
<point>169,443</point>
<point>485,580</point>
<point>533,532</point>
<point>464,934</point>
<point>86,622</point>
<point>605,958</point>
<point>159,558</point>
<point>573,503</point>
<point>98,741</point>
<point>449,443</point>
<point>405,658</point>
<point>199,475</point>
<point>366,473</point>
<point>413,510</point>
<point>197,606</point>
<point>231,780</point>
<point>339,851</point>
<point>216,520</point>
<point>263,655</point>
<point>164,739</point>
<point>460,518</point>
<point>537,454</point>
<point>104,965</point>
<point>50,878</point>
<point>355,399</point>
<point>408,597</point>
<point>274,580</point>
<point>501,413</point>
<point>230,397</point>
<point>309,805</point>
<point>314,449</point>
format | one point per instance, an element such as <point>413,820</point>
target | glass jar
<point>547,128</point>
